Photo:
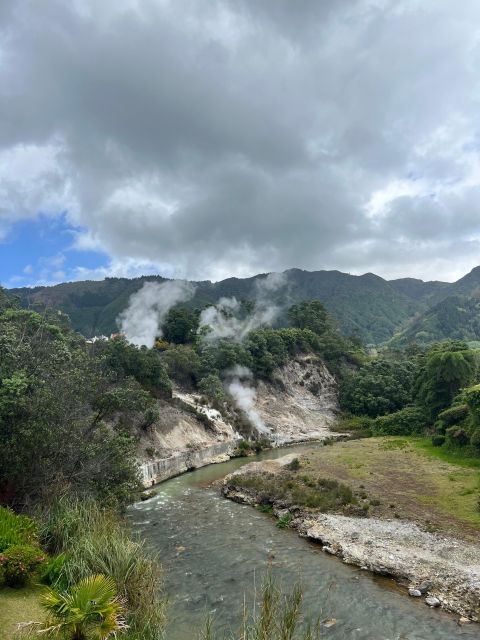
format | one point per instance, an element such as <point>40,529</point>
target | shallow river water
<point>215,553</point>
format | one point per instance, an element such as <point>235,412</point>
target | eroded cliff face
<point>298,405</point>
<point>188,435</point>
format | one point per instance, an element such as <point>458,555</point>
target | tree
<point>310,314</point>
<point>141,363</point>
<point>180,325</point>
<point>379,387</point>
<point>55,400</point>
<point>446,368</point>
<point>183,364</point>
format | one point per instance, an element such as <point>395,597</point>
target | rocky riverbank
<point>443,570</point>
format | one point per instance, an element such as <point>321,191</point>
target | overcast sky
<point>210,138</point>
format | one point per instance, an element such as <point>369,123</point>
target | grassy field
<point>18,605</point>
<point>409,478</point>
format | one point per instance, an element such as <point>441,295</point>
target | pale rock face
<point>299,405</point>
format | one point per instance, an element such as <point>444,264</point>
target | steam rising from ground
<point>244,395</point>
<point>142,323</point>
<point>225,322</point>
<point>142,320</point>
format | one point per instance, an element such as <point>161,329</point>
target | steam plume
<point>224,320</point>
<point>142,320</point>
<point>244,395</point>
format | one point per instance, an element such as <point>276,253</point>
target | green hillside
<point>456,317</point>
<point>367,304</point>
<point>406,309</point>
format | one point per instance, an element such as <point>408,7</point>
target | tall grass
<point>95,541</point>
<point>279,617</point>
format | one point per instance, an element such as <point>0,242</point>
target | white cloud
<point>203,140</point>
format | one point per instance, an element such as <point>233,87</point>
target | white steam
<point>244,395</point>
<point>224,321</point>
<point>142,320</point>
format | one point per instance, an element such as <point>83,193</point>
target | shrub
<point>457,436</point>
<point>15,529</point>
<point>437,441</point>
<point>265,508</point>
<point>401,423</point>
<point>303,491</point>
<point>294,465</point>
<point>440,427</point>
<point>284,521</point>
<point>151,416</point>
<point>361,425</point>
<point>19,563</point>
<point>212,387</point>
<point>453,415</point>
<point>475,438</point>
<point>53,570</point>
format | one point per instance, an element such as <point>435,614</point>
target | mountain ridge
<point>376,309</point>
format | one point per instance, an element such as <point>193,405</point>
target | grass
<point>457,457</point>
<point>295,489</point>
<point>409,478</point>
<point>18,605</point>
<point>278,616</point>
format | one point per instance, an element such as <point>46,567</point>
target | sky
<point>204,139</point>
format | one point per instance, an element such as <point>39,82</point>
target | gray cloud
<point>214,138</point>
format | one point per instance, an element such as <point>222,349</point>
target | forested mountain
<point>376,309</point>
<point>456,317</point>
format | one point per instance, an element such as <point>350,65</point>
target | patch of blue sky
<point>41,251</point>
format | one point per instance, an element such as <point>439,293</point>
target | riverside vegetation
<point>71,415</point>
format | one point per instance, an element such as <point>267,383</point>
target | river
<point>215,553</point>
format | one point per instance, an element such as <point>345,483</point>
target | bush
<point>19,562</point>
<point>16,530</point>
<point>457,436</point>
<point>401,423</point>
<point>438,441</point>
<point>294,465</point>
<point>53,570</point>
<point>475,438</point>
<point>284,521</point>
<point>212,387</point>
<point>314,493</point>
<point>440,427</point>
<point>453,415</point>
<point>361,425</point>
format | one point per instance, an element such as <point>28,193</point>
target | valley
<point>370,453</point>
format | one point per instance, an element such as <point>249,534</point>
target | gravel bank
<point>445,571</point>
